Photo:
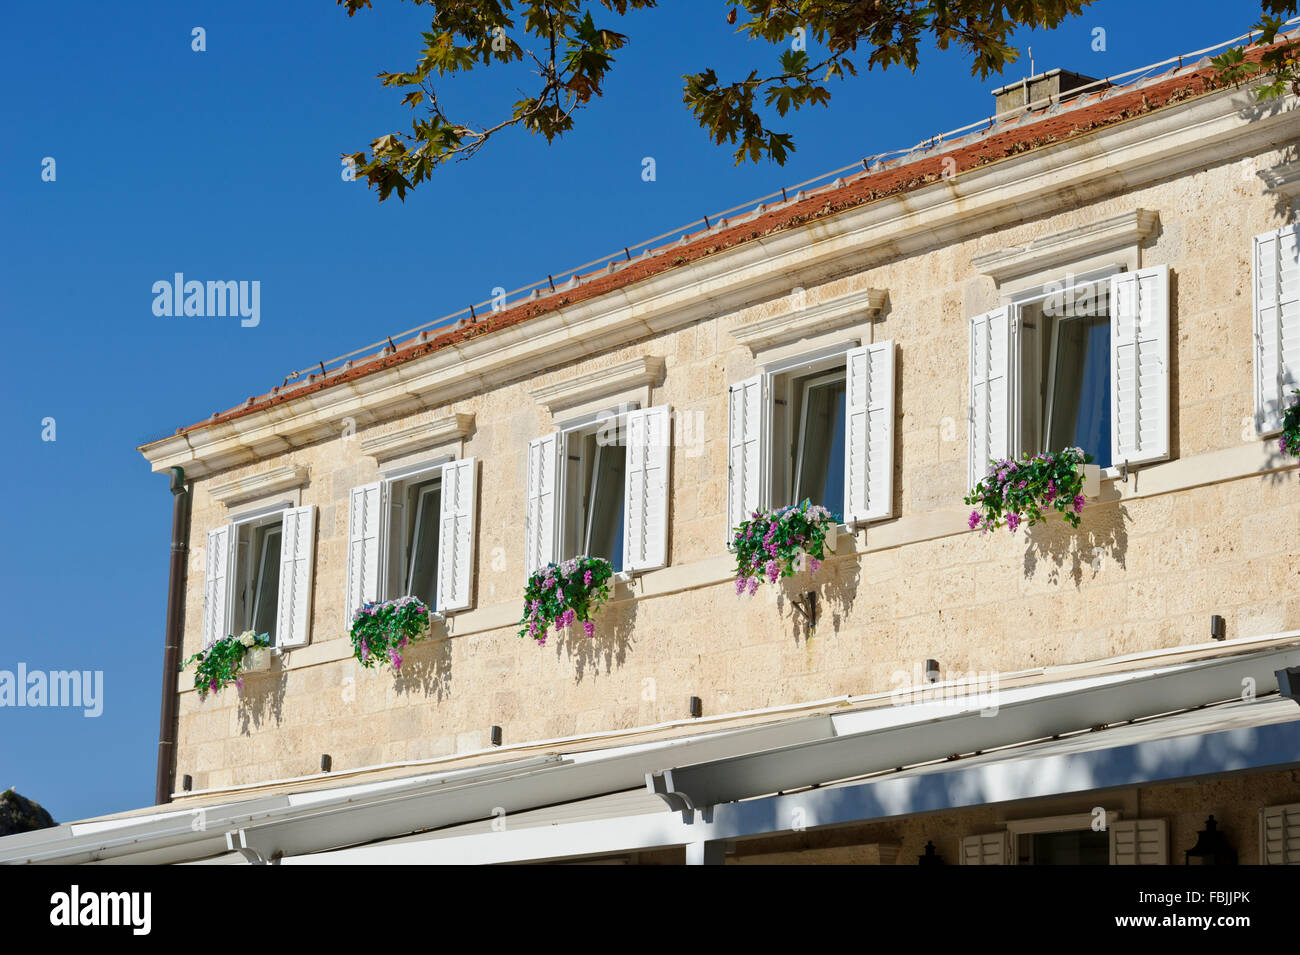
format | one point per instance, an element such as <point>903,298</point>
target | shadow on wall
<point>836,586</point>
<point>426,669</point>
<point>1102,536</point>
<point>261,699</point>
<point>615,624</point>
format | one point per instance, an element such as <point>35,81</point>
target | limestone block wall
<point>1207,532</point>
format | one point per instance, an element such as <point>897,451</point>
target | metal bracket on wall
<point>807,606</point>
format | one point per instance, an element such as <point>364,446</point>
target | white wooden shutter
<point>645,505</point>
<point>1279,835</point>
<point>869,433</point>
<point>988,849</point>
<point>365,524</point>
<point>543,501</point>
<point>744,451</point>
<point>1139,842</point>
<point>991,368</point>
<point>456,535</point>
<point>1275,274</point>
<point>216,593</point>
<point>1139,365</point>
<point>297,543</point>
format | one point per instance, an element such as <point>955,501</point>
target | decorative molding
<point>1283,179</point>
<point>420,437</point>
<point>1126,230</point>
<point>259,485</point>
<point>646,370</point>
<point>844,310</point>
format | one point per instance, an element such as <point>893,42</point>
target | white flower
<point>247,638</point>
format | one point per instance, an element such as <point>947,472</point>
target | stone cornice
<point>1125,230</point>
<point>1170,141</point>
<point>259,485</point>
<point>646,370</point>
<point>418,437</point>
<point>840,312</point>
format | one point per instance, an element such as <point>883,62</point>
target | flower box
<point>380,631</point>
<point>256,660</point>
<point>782,543</point>
<point>559,595</point>
<point>1023,491</point>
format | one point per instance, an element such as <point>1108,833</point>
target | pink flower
<point>753,586</point>
<point>1078,503</point>
<point>1051,491</point>
<point>814,564</point>
<point>773,571</point>
<point>586,579</point>
<point>239,683</point>
<point>973,521</point>
<point>395,658</point>
<point>1013,521</point>
<point>740,586</point>
<point>588,628</point>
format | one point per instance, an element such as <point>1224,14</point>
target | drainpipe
<point>172,640</point>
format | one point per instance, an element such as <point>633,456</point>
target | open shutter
<point>990,848</point>
<point>1139,365</point>
<point>540,515</point>
<point>645,506</point>
<point>456,535</point>
<point>1275,274</point>
<point>744,451</point>
<point>1279,835</point>
<point>365,519</point>
<point>216,598</point>
<point>991,365</point>
<point>1139,842</point>
<point>297,540</point>
<point>869,433</point>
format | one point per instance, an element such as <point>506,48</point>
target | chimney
<point>1040,89</point>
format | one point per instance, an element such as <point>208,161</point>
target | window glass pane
<point>1080,400</point>
<point>1077,847</point>
<point>605,514</point>
<point>821,444</point>
<point>422,575</point>
<point>266,583</point>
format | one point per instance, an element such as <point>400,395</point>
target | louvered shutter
<point>1275,270</point>
<point>456,535</point>
<point>645,510</point>
<point>297,540</point>
<point>869,433</point>
<point>1279,835</point>
<point>216,597</point>
<point>1139,365</point>
<point>365,522</point>
<point>744,451</point>
<point>1139,842</point>
<point>988,849</point>
<point>540,515</point>
<point>991,366</point>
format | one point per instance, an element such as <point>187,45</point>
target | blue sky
<point>224,164</point>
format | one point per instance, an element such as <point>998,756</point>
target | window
<point>1081,363</point>
<point>808,424</point>
<point>1072,847</point>
<point>1065,372</point>
<point>594,472</point>
<point>1071,840</point>
<point>259,576</point>
<point>599,487</point>
<point>413,538</point>
<point>818,428</point>
<point>412,534</point>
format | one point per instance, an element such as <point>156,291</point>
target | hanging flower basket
<point>1021,492</point>
<point>381,630</point>
<point>781,543</point>
<point>1289,441</point>
<point>226,659</point>
<point>558,595</point>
